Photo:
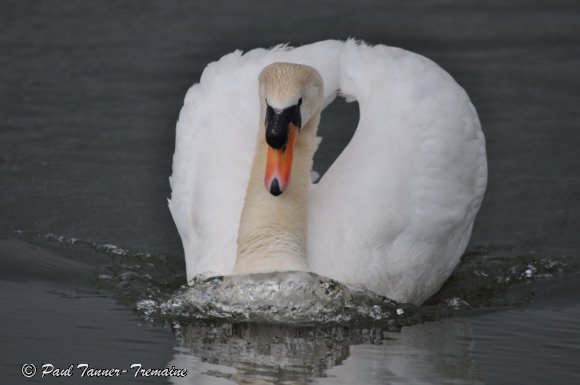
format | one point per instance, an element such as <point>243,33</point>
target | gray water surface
<point>89,96</point>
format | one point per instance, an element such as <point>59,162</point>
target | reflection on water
<point>437,352</point>
<point>49,312</point>
<point>262,353</point>
<point>432,353</point>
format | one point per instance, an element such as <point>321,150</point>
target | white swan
<point>394,212</point>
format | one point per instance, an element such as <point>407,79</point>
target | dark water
<point>89,96</point>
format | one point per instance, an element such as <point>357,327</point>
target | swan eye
<point>297,119</point>
<point>269,114</point>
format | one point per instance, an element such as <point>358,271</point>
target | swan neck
<point>272,233</point>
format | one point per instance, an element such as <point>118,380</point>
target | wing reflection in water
<point>431,353</point>
<point>437,352</point>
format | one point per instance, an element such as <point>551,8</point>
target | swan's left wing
<point>215,139</point>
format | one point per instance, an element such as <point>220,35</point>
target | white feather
<point>395,210</point>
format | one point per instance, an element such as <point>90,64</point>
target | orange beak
<point>279,164</point>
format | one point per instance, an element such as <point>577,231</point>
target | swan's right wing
<point>398,204</point>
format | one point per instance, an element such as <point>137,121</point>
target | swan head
<point>291,95</point>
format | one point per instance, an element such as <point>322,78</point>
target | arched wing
<point>405,191</point>
<point>215,136</point>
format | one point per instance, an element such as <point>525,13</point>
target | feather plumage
<point>396,209</point>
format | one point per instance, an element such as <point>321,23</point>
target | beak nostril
<point>275,187</point>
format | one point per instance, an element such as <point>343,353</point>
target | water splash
<point>283,297</point>
<point>153,285</point>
